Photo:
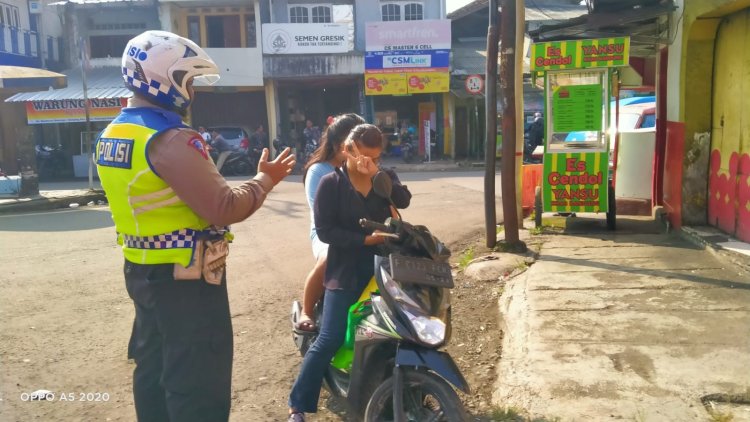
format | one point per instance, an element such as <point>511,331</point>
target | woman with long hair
<point>324,160</point>
<point>343,198</point>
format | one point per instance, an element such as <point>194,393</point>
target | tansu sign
<point>580,54</point>
<point>73,110</point>
<point>575,182</point>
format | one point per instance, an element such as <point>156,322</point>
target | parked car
<point>234,135</point>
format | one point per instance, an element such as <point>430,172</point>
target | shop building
<point>228,30</point>
<point>94,33</point>
<point>705,77</point>
<point>407,72</point>
<point>310,66</point>
<point>469,33</point>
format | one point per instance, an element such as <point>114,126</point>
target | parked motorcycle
<point>407,151</point>
<point>50,161</point>
<point>237,163</point>
<point>390,367</point>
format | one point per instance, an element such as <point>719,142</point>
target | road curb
<point>43,203</point>
<point>694,236</point>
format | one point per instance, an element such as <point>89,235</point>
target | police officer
<point>171,207</point>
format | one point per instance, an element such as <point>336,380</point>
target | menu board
<point>577,108</point>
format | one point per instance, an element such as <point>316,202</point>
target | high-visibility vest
<point>153,225</point>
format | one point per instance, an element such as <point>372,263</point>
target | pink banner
<point>408,35</point>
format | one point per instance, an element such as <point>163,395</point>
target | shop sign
<point>406,83</point>
<point>385,84</point>
<point>411,60</point>
<point>577,108</point>
<point>580,54</point>
<point>428,82</point>
<point>305,38</point>
<point>576,182</point>
<point>65,111</point>
<point>428,34</point>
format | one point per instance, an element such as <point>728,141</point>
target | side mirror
<point>382,185</point>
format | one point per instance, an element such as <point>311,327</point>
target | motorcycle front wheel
<point>427,397</point>
<point>242,168</point>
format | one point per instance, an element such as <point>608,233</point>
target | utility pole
<point>508,82</point>
<point>87,150</point>
<point>520,53</point>
<point>490,107</point>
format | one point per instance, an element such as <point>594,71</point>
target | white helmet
<point>160,64</point>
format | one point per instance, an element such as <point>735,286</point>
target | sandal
<point>306,324</point>
<point>296,417</point>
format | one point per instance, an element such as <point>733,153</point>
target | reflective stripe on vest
<point>154,225</point>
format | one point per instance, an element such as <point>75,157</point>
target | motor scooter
<point>50,161</point>
<point>390,367</point>
<point>237,162</point>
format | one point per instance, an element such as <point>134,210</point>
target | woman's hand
<point>373,239</point>
<point>365,165</point>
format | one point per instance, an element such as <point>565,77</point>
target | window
<point>194,29</point>
<point>298,14</point>
<point>392,11</point>
<point>102,46</point>
<point>413,12</point>
<point>321,14</point>
<point>310,14</point>
<point>250,37</point>
<point>9,15</point>
<point>222,27</point>
<point>223,31</point>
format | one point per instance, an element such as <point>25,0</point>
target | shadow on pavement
<point>58,221</point>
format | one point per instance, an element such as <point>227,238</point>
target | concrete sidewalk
<point>626,326</point>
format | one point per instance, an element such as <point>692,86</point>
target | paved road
<point>66,316</point>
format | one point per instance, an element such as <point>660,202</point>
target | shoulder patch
<point>199,145</point>
<point>113,152</point>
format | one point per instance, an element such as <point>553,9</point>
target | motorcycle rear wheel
<point>426,397</point>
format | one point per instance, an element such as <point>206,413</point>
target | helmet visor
<point>208,79</point>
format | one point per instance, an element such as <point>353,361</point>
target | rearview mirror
<point>382,185</point>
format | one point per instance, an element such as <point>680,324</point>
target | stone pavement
<point>631,325</point>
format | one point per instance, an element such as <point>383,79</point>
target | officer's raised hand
<point>279,168</point>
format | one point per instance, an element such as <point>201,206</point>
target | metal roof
<point>64,2</point>
<point>644,21</point>
<point>104,82</point>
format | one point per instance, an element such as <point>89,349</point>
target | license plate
<point>408,269</point>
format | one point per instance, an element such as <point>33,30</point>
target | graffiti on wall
<point>729,195</point>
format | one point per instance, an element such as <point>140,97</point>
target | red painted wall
<point>675,153</point>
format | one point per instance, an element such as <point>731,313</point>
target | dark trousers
<point>306,390</point>
<point>181,344</point>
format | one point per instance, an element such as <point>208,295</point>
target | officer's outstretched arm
<point>180,158</point>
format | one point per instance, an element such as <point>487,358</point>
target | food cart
<point>579,78</point>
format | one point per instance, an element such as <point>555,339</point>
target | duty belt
<point>183,238</point>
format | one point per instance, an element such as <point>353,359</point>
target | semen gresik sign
<point>305,38</point>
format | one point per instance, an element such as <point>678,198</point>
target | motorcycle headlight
<point>429,329</point>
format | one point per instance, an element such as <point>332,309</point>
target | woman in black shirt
<point>343,198</point>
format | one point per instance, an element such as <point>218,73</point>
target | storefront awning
<point>12,77</point>
<point>102,83</point>
<point>644,21</point>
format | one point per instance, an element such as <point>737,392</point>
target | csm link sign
<point>305,38</point>
<point>407,57</point>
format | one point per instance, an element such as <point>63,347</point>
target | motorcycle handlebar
<point>372,225</point>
